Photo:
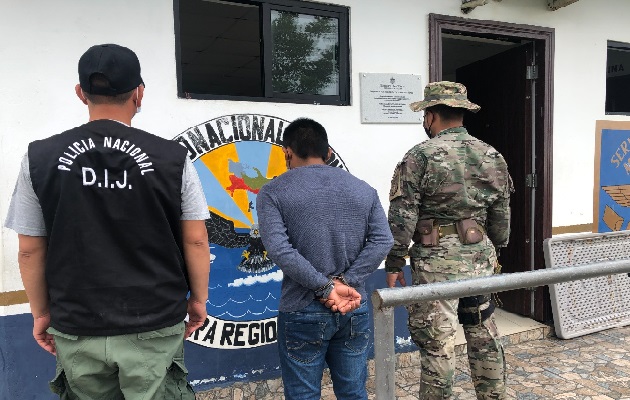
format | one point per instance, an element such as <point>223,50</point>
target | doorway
<point>508,71</point>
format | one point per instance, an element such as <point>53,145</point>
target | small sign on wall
<point>385,98</point>
<point>611,202</point>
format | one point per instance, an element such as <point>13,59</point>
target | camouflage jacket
<point>450,177</point>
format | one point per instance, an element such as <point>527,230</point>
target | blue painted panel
<point>26,368</point>
<point>210,368</point>
<point>613,207</point>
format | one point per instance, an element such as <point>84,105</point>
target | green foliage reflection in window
<point>305,53</point>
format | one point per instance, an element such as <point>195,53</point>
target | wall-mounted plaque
<point>385,98</point>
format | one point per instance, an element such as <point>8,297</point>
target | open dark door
<point>502,86</point>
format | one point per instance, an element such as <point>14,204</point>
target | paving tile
<point>591,367</point>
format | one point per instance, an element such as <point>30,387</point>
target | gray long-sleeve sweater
<point>317,221</point>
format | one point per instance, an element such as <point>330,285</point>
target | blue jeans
<point>314,336</point>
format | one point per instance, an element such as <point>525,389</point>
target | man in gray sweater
<point>327,231</point>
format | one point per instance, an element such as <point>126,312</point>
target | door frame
<point>544,44</point>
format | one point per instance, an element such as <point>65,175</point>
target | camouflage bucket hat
<point>448,93</point>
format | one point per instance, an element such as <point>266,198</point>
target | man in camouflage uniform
<point>450,178</point>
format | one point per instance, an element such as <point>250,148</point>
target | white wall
<point>581,33</point>
<point>40,43</point>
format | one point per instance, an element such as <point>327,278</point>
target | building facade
<point>224,77</point>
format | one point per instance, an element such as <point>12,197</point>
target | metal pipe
<point>383,301</point>
<point>390,297</point>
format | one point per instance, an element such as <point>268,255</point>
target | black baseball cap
<point>118,64</point>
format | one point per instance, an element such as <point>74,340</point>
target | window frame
<point>342,13</point>
<point>614,44</point>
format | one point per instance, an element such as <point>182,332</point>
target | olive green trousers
<point>139,366</point>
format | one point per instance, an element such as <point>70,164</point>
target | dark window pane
<point>618,78</point>
<point>305,53</point>
<point>220,48</point>
<point>262,50</point>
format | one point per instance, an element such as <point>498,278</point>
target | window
<point>618,78</point>
<point>262,50</point>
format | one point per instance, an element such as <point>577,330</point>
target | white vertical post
<point>384,352</point>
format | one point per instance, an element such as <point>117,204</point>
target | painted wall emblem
<point>235,155</point>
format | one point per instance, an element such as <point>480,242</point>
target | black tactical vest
<point>111,199</point>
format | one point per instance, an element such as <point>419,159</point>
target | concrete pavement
<point>540,366</point>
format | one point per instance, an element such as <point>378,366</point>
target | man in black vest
<point>111,240</point>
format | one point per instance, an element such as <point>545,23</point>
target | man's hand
<point>197,314</point>
<point>43,338</point>
<point>392,278</point>
<point>343,298</point>
<point>395,263</point>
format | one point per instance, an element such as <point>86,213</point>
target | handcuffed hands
<point>343,298</point>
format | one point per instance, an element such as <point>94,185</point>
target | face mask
<point>427,130</point>
<point>138,109</point>
<point>287,159</point>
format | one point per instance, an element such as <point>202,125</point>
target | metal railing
<point>384,301</point>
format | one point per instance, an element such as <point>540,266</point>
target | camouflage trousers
<point>433,326</point>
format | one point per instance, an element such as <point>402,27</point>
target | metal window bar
<point>384,301</point>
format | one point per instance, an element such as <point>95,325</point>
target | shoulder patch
<point>396,188</point>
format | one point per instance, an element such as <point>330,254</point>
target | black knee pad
<point>468,311</point>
